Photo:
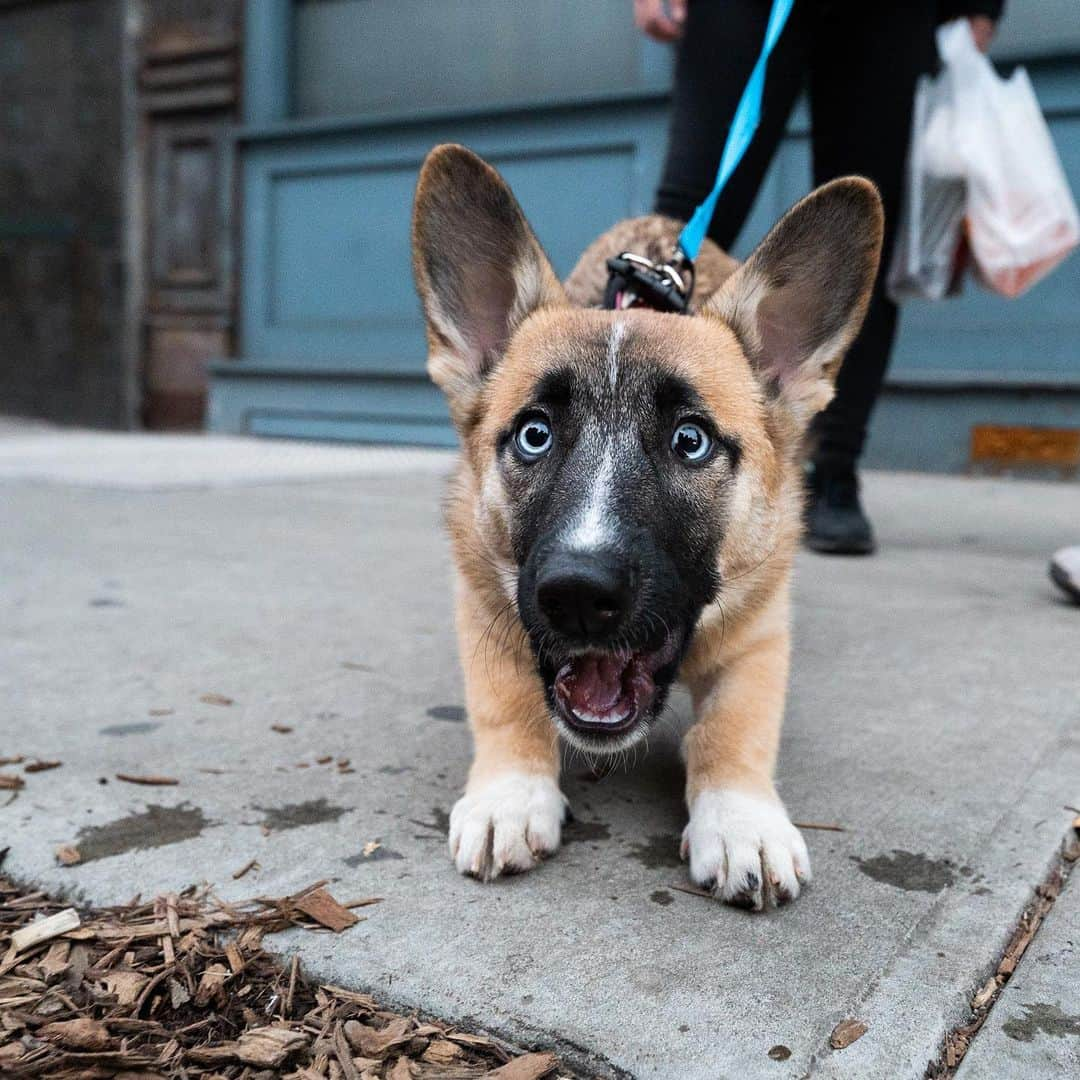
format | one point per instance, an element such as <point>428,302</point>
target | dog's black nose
<point>584,596</point>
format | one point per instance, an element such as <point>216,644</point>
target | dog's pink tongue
<point>593,684</point>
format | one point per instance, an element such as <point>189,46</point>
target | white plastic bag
<point>986,136</point>
<point>927,258</point>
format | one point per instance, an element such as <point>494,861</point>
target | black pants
<point>861,61</point>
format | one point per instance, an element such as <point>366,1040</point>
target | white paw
<point>506,825</point>
<point>745,848</point>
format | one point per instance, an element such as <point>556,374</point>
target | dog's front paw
<point>745,849</point>
<point>506,825</point>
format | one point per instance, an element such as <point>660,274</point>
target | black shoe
<point>835,522</point>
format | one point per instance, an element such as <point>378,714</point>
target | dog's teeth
<point>594,718</point>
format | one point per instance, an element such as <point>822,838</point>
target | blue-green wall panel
<point>329,252</point>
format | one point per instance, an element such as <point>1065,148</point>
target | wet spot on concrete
<point>297,815</point>
<point>377,855</point>
<point>659,850</point>
<point>908,870</point>
<point>1041,1019</point>
<point>440,822</point>
<point>106,601</point>
<point>453,714</point>
<point>661,897</point>
<point>394,770</point>
<point>576,831</point>
<point>157,826</point>
<point>142,727</point>
<point>982,890</point>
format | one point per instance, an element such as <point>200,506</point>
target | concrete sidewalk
<point>934,715</point>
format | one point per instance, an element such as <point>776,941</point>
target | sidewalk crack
<point>959,1038</point>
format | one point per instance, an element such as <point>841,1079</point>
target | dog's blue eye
<point>534,437</point>
<point>691,442</point>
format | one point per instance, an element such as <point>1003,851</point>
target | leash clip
<point>634,281</point>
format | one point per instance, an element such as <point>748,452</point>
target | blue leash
<point>635,281</point>
<point>740,135</point>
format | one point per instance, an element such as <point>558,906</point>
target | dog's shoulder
<point>653,236</point>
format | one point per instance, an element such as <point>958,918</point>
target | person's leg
<point>720,44</point>
<point>866,59</point>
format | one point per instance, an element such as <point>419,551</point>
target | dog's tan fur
<point>736,666</point>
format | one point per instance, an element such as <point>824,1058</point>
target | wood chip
<point>819,825</point>
<point>269,1047</point>
<point>41,766</point>
<point>68,855</point>
<point>465,1039</point>
<point>344,1054</point>
<point>370,848</point>
<point>125,985</point>
<point>56,961</point>
<point>235,958</point>
<point>213,1055</point>
<point>281,729</point>
<point>377,1042</point>
<point>213,978</point>
<point>11,783</point>
<point>324,909</point>
<point>693,890</point>
<point>178,994</point>
<point>846,1032</point>
<point>18,759</point>
<point>216,699</point>
<point>44,929</point>
<point>442,1052</point>
<point>148,781</point>
<point>160,712</point>
<point>249,865</point>
<point>529,1067</point>
<point>401,1070</point>
<point>81,1034</point>
<point>985,993</point>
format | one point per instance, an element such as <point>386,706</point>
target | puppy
<point>627,507</point>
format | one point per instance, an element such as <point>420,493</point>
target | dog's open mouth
<point>608,693</point>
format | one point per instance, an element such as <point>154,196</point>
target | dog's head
<point>622,463</point>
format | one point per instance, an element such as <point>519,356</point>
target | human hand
<point>982,30</point>
<point>662,21</point>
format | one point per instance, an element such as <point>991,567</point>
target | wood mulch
<point>180,986</point>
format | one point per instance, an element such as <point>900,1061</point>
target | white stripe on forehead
<point>618,332</point>
<point>592,525</point>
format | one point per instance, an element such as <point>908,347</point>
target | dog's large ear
<point>479,270</point>
<point>799,300</point>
